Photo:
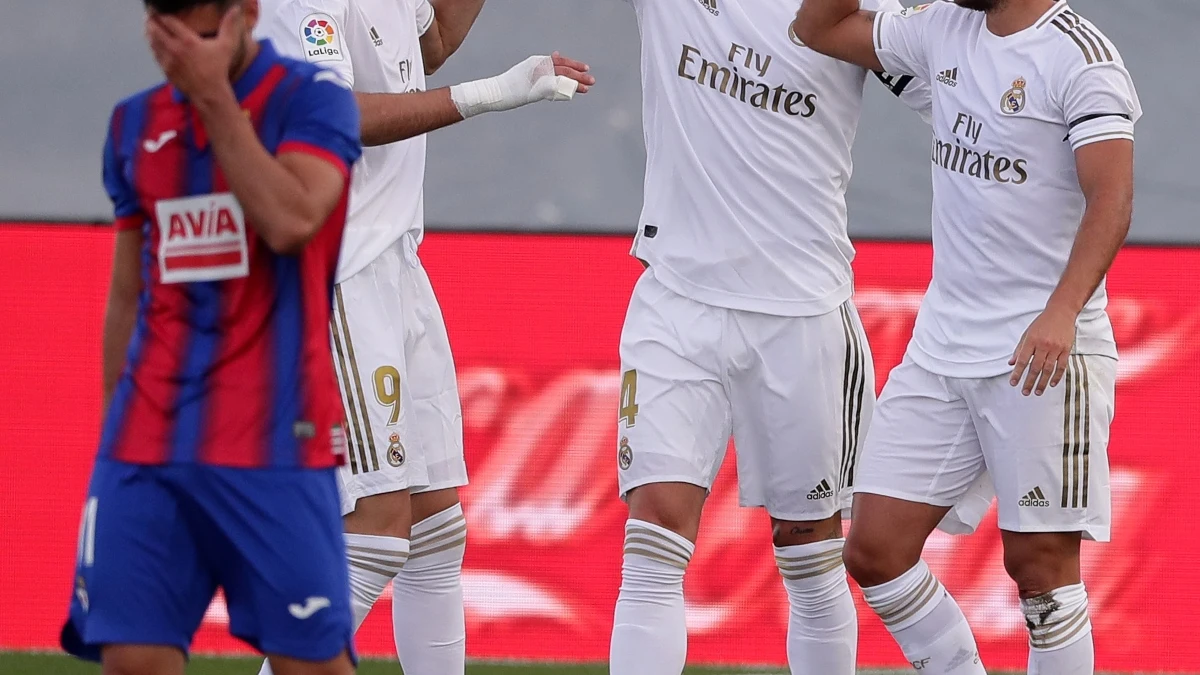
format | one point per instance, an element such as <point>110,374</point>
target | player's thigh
<point>139,575</point>
<point>802,392</point>
<point>1048,455</point>
<point>279,552</point>
<point>342,664</point>
<point>367,336</point>
<point>673,415</point>
<point>142,660</point>
<point>922,445</point>
<point>436,422</point>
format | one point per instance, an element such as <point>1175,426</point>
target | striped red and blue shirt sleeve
<point>126,207</point>
<point>323,121</point>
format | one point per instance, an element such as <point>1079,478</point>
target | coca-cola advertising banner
<point>534,321</point>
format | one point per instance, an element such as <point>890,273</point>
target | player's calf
<point>427,601</point>
<point>1045,567</point>
<point>339,665</point>
<point>649,627</point>
<point>822,624</point>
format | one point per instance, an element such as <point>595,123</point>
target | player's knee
<point>673,506</point>
<point>797,533</point>
<point>871,561</point>
<point>385,515</point>
<point>1040,563</point>
<point>142,660</point>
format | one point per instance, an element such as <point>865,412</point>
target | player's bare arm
<point>1106,177</point>
<point>286,198</point>
<point>452,20</point>
<point>390,118</point>
<point>120,312</point>
<point>838,28</point>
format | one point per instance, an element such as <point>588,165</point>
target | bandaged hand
<point>537,78</point>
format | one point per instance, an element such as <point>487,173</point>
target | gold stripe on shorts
<point>853,386</point>
<point>358,388</point>
<point>354,440</point>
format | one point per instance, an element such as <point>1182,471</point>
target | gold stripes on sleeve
<point>854,382</point>
<point>1094,47</point>
<point>1077,433</point>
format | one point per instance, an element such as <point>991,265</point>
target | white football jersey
<point>748,137</point>
<point>1008,114</point>
<point>374,45</point>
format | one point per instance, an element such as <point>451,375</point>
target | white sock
<point>927,623</point>
<point>822,625</point>
<point>1060,632</point>
<point>650,627</point>
<point>373,562</point>
<point>427,598</point>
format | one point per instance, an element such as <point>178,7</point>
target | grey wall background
<point>563,166</point>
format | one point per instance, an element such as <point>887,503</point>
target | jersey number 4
<point>629,407</point>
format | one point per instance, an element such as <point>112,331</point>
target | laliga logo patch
<point>201,238</point>
<point>395,455</point>
<point>913,11</point>
<point>624,454</point>
<point>321,38</point>
<point>1013,101</point>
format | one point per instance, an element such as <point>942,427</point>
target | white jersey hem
<point>770,306</point>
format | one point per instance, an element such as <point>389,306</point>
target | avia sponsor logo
<point>201,238</point>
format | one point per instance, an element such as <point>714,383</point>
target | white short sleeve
<point>1100,104</point>
<point>902,39</point>
<point>309,30</point>
<point>425,15</point>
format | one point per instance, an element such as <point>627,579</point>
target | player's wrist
<point>214,98</point>
<point>531,80</point>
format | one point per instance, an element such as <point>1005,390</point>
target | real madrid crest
<point>624,454</point>
<point>395,455</point>
<point>1013,101</point>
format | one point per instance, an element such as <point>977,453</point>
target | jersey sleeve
<point>902,39</point>
<point>313,31</point>
<point>127,210</point>
<point>322,120</point>
<point>1100,104</point>
<point>425,16</point>
<point>914,93</point>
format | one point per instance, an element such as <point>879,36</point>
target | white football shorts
<point>794,393</point>
<point>958,443</point>
<point>396,373</point>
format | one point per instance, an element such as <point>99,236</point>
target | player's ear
<point>250,13</point>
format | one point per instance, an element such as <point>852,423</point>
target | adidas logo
<point>1035,498</point>
<point>822,491</point>
<point>375,37</point>
<point>711,6</point>
<point>948,77</point>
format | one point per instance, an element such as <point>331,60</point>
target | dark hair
<point>177,6</point>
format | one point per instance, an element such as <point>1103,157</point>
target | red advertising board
<point>534,322</point>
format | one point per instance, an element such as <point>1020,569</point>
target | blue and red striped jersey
<point>229,363</point>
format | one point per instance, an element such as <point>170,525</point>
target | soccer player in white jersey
<point>404,422</point>
<point>743,323</point>
<point>1007,387</point>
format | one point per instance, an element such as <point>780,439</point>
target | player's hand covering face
<point>197,65</point>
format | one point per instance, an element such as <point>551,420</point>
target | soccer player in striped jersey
<point>223,423</point>
<point>404,523</point>
<point>1007,386</point>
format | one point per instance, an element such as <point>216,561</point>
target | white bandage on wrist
<point>424,17</point>
<point>527,82</point>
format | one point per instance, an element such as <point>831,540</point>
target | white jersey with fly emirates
<point>1008,114</point>
<point>748,137</point>
<point>374,45</point>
